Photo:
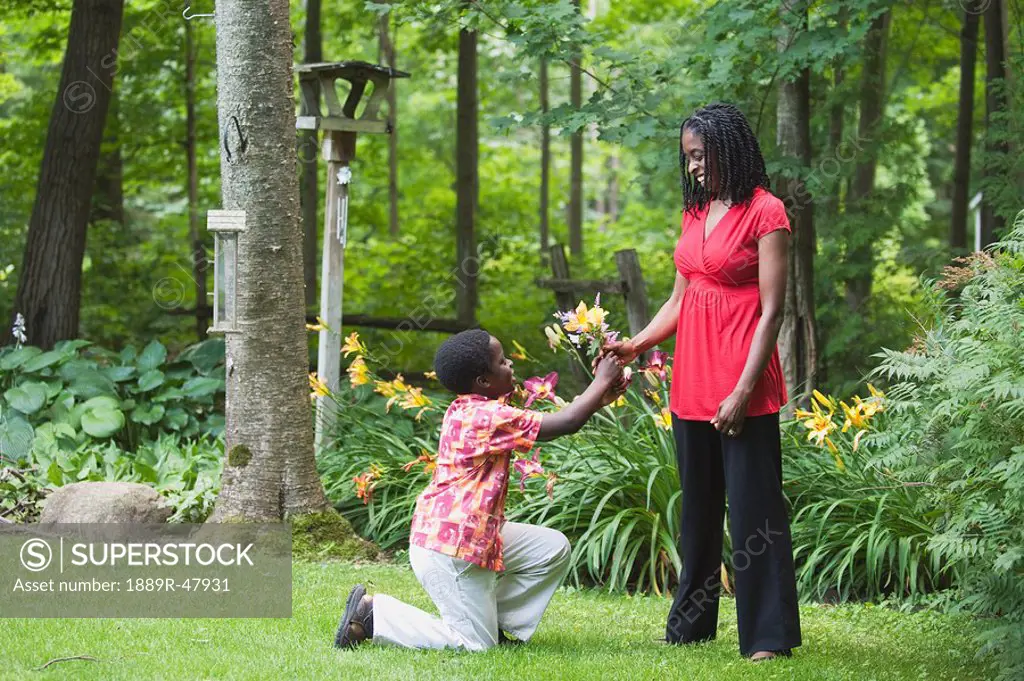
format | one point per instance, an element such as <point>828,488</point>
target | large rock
<point>105,502</point>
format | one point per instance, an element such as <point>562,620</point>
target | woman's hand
<point>624,351</point>
<point>731,414</point>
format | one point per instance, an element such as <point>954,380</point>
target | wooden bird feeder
<point>226,225</point>
<point>340,122</point>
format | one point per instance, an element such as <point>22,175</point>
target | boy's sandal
<point>357,623</point>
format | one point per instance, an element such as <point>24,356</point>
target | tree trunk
<point>545,166</point>
<point>387,56</point>
<point>108,193</point>
<point>860,257</point>
<point>195,227</point>
<point>309,154</point>
<point>612,196</point>
<point>270,470</point>
<point>467,184</point>
<point>50,283</point>
<point>964,128</point>
<point>836,121</point>
<point>992,223</point>
<point>798,348</point>
<point>576,158</point>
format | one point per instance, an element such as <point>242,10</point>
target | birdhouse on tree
<point>226,225</point>
<point>340,122</point>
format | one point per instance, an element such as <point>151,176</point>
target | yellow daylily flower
<point>819,424</point>
<point>318,387</point>
<point>664,419</point>
<point>358,372</point>
<point>875,392</point>
<point>579,320</point>
<point>428,460</point>
<point>825,401</point>
<point>654,395</point>
<point>391,389</point>
<point>520,353</point>
<point>414,398</point>
<point>855,416</point>
<point>353,344</point>
<point>555,336</point>
<point>596,315</point>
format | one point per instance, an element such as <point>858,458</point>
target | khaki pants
<point>474,603</point>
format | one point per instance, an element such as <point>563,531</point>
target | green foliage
<point>958,425</point>
<point>79,394</point>
<point>185,472</point>
<point>859,532</point>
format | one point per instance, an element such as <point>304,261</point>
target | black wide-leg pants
<point>749,468</point>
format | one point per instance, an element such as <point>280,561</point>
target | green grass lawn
<point>585,635</point>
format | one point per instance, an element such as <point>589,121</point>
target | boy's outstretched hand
<point>608,380</point>
<point>617,390</point>
<point>609,370</point>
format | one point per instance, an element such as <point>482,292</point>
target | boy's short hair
<point>462,358</point>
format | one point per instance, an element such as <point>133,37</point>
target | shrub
<point>958,427</point>
<point>78,394</point>
<point>859,532</point>
<point>186,473</point>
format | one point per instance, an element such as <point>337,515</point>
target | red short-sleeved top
<point>721,308</point>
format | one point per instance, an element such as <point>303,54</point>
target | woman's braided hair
<point>731,154</point>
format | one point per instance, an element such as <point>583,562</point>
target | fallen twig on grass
<point>65,659</point>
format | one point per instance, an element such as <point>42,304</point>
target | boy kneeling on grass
<point>487,577</point>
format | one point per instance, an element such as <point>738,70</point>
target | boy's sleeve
<point>515,429</point>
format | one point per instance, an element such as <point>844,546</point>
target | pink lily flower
<point>538,388</point>
<point>656,367</point>
<point>528,468</point>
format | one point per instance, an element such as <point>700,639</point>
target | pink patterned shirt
<point>461,511</point>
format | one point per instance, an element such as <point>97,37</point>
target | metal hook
<point>190,17</point>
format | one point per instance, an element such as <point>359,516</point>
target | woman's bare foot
<point>763,655</point>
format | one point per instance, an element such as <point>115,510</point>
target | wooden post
<point>635,290</point>
<point>339,148</point>
<point>560,270</point>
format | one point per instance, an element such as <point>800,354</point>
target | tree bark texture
<point>576,158</point>
<point>50,282</point>
<point>270,471</point>
<point>309,154</point>
<point>195,226</point>
<point>836,120</point>
<point>860,251</point>
<point>467,182</point>
<point>964,128</point>
<point>545,166</point>
<point>388,57</point>
<point>798,347</point>
<point>992,223</point>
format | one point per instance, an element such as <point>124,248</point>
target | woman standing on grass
<point>727,389</point>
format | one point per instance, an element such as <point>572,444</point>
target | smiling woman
<point>728,387</point>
